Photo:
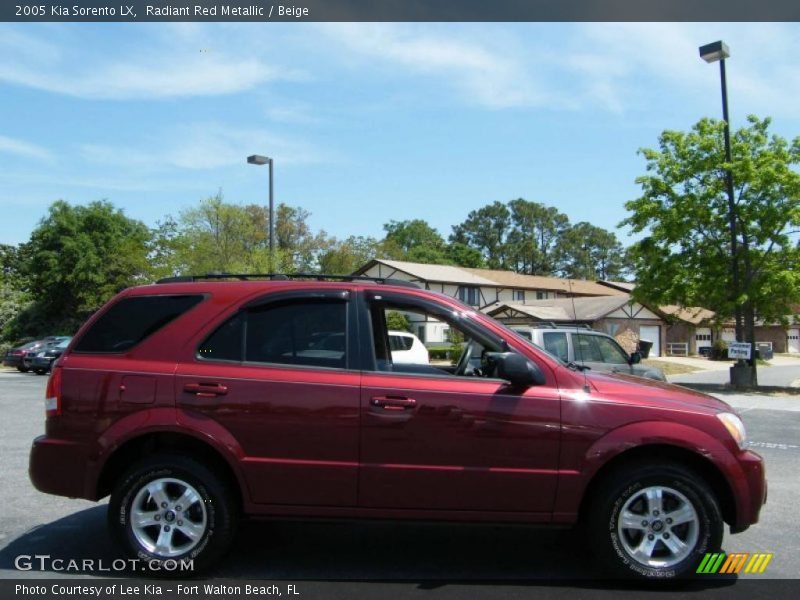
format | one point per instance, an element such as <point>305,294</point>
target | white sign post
<point>739,350</point>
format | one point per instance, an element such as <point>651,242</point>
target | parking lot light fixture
<point>258,159</point>
<point>717,52</point>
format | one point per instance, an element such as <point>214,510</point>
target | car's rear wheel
<point>655,521</point>
<point>23,369</point>
<point>167,510</point>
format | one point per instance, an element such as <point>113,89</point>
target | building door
<point>794,340</point>
<point>702,338</point>
<point>651,333</point>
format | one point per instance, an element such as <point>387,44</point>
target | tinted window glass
<point>400,342</point>
<point>611,352</point>
<point>309,333</point>
<point>131,320</point>
<point>226,342</point>
<point>556,343</point>
<point>587,349</point>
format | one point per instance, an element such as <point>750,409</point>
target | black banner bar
<point>399,10</point>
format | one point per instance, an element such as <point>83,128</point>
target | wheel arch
<point>168,441</point>
<point>701,465</point>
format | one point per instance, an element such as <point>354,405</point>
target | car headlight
<point>735,427</point>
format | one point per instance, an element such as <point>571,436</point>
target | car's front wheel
<point>655,521</point>
<point>169,510</point>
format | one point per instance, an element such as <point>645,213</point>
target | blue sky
<point>366,122</point>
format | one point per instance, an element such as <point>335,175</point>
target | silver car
<point>588,348</point>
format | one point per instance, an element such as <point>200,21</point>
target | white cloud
<point>22,148</point>
<point>484,68</point>
<point>202,146</point>
<point>165,62</point>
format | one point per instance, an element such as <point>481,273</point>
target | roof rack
<point>553,325</point>
<point>285,277</point>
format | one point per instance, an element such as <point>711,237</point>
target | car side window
<point>449,350</point>
<point>610,351</point>
<point>556,343</point>
<point>298,333</point>
<point>586,349</point>
<point>302,333</point>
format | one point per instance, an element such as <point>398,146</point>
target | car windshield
<point>63,344</point>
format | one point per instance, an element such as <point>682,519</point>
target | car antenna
<point>586,388</point>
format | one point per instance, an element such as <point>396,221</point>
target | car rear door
<point>278,375</point>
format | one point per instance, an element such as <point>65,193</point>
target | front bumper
<point>41,362</point>
<point>58,467</point>
<point>752,491</point>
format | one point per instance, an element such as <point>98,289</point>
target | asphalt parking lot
<point>34,523</point>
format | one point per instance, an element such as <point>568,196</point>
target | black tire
<point>679,485</point>
<point>216,500</point>
<point>22,369</point>
<point>40,371</point>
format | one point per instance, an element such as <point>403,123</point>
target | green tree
<point>76,259</point>
<point>413,240</point>
<point>487,230</point>
<point>299,247</point>
<point>397,321</point>
<point>585,251</point>
<point>347,255</point>
<point>464,256</point>
<point>536,231</point>
<point>215,236</point>
<point>684,257</point>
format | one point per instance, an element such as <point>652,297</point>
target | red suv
<point>196,401</point>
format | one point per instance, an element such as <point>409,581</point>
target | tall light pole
<point>257,159</point>
<point>713,52</point>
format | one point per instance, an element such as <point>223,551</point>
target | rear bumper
<point>12,361</point>
<point>752,491</point>
<point>59,467</point>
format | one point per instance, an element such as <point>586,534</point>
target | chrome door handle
<point>206,390</point>
<point>393,402</point>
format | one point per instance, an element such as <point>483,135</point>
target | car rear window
<point>400,342</point>
<point>133,319</point>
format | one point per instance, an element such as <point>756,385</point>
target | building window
<point>469,295</point>
<point>541,295</point>
<point>519,295</point>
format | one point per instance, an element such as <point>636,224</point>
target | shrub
<point>719,351</point>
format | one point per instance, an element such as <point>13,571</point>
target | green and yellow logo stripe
<point>720,562</point>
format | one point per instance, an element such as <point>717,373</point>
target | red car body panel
<point>362,443</point>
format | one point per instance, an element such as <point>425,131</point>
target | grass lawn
<point>670,368</point>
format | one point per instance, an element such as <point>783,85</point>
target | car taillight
<point>18,353</point>
<point>52,400</point>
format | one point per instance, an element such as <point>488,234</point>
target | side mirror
<point>516,369</point>
<point>636,357</point>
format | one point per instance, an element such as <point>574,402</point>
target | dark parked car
<point>194,402</point>
<point>39,346</point>
<point>14,356</point>
<point>44,358</point>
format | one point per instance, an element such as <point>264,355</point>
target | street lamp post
<point>713,52</point>
<point>257,159</point>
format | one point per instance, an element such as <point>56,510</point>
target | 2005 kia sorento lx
<point>192,402</point>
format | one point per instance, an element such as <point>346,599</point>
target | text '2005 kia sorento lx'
<point>195,402</point>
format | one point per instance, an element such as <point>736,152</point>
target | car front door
<point>278,375</point>
<point>436,439</point>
